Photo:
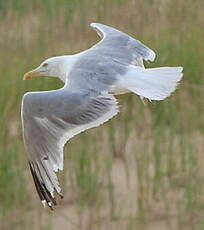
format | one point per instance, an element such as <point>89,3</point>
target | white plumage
<point>51,118</point>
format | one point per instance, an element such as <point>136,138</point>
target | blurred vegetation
<point>141,170</point>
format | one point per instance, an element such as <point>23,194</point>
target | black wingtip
<point>61,196</point>
<point>44,195</point>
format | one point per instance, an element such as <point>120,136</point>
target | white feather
<point>153,83</point>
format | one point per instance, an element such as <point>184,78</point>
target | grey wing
<point>49,120</point>
<point>121,46</point>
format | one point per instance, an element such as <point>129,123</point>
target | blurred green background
<point>144,168</point>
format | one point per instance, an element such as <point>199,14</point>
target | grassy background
<point>142,170</point>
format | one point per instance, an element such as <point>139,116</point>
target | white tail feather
<point>152,83</point>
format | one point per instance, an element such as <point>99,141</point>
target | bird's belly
<point>116,90</point>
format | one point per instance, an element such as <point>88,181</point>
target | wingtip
<point>152,56</point>
<point>97,24</point>
<point>61,196</point>
<point>49,204</point>
<point>181,68</point>
<point>93,24</point>
<point>47,197</point>
<point>44,203</point>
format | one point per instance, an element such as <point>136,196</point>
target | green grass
<point>155,151</point>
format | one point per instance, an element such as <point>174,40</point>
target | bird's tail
<point>152,83</point>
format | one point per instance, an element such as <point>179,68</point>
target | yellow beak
<point>31,74</point>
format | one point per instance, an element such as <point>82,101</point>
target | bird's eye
<point>44,65</point>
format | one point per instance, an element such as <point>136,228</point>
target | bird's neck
<point>67,64</point>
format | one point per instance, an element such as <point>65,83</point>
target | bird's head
<point>52,67</point>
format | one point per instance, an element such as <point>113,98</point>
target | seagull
<point>91,78</point>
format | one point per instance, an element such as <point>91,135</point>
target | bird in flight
<point>91,79</point>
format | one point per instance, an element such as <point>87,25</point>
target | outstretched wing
<point>50,119</point>
<point>121,46</point>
